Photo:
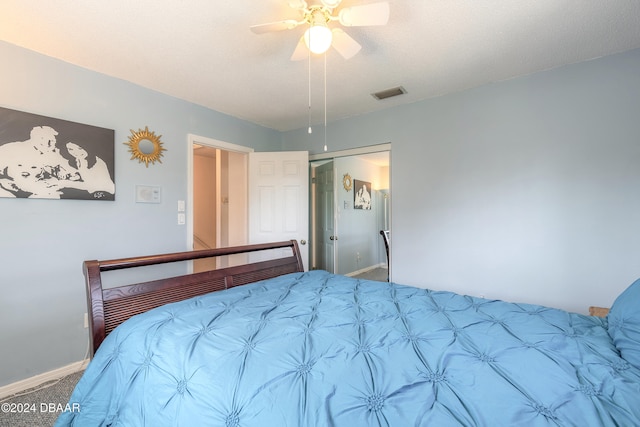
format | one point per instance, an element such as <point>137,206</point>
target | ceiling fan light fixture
<point>318,38</point>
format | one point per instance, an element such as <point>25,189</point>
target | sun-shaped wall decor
<point>347,182</point>
<point>145,146</point>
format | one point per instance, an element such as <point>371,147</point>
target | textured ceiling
<point>202,51</point>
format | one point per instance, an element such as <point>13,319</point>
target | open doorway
<point>218,199</point>
<point>219,202</point>
<point>346,235</point>
<point>237,196</point>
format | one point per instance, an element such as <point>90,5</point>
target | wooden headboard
<point>107,308</point>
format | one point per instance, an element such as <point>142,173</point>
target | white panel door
<point>325,235</point>
<point>279,198</point>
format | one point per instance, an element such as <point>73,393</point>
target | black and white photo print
<point>361,194</point>
<point>47,158</point>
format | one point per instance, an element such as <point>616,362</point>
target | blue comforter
<point>316,349</point>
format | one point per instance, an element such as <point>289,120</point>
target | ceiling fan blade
<point>344,43</point>
<point>297,4</point>
<point>287,24</point>
<point>364,15</point>
<point>331,4</point>
<point>301,51</point>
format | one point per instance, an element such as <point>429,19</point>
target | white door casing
<point>279,198</point>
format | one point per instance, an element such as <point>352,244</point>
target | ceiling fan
<point>318,37</point>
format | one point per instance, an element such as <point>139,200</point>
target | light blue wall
<point>526,190</point>
<point>43,242</point>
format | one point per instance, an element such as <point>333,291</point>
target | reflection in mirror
<point>146,146</point>
<point>332,210</point>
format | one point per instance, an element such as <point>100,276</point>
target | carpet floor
<point>378,274</point>
<point>39,406</point>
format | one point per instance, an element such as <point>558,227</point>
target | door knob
<point>333,237</point>
<point>303,242</point>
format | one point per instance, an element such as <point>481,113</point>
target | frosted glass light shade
<point>318,38</point>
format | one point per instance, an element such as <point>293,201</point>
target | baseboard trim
<point>26,384</point>
<point>364,270</point>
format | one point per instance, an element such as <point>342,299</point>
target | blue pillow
<point>624,324</point>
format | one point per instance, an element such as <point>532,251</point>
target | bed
<point>268,344</point>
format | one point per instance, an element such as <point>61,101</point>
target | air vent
<point>388,93</point>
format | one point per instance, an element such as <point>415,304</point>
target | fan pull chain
<point>309,71</point>
<point>325,101</point>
